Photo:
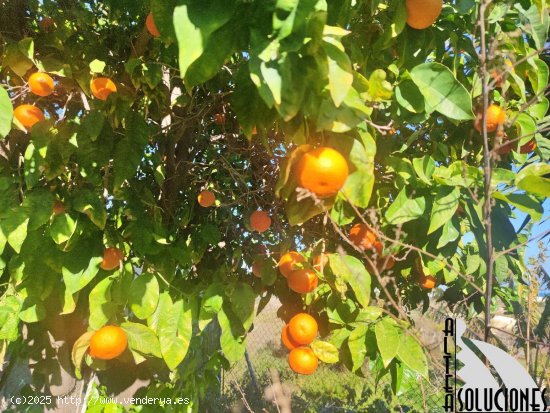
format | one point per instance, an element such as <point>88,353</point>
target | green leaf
<point>267,79</point>
<point>62,228</point>
<point>16,60</point>
<point>14,227</point>
<point>102,309</point>
<point>293,87</point>
<point>409,96</point>
<point>269,274</point>
<point>444,207</point>
<point>357,344</point>
<point>163,11</point>
<point>524,202</point>
<point>536,25</point>
<point>3,241</point>
<point>388,336</point>
<point>404,209</point>
<point>412,355</point>
<point>526,127</point>
<point>80,348</point>
<point>6,113</point>
<point>130,150</point>
<point>32,310</point>
<point>242,298</point>
<point>538,76</point>
<point>91,205</point>
<point>210,234</point>
<point>442,91</point>
<point>424,168</point>
<point>204,38</point>
<point>143,296</point>
<point>92,124</point>
<point>50,64</point>
<point>325,351</point>
<point>26,47</point>
<point>342,213</point>
<point>358,187</point>
<point>97,66</point>
<point>9,318</point>
<point>81,265</point>
<point>232,343</point>
<point>340,76</point>
<point>299,212</point>
<point>33,165</point>
<point>396,371</point>
<point>211,304</point>
<point>174,330</point>
<point>450,233</point>
<point>36,206</point>
<point>352,271</point>
<point>379,89</point>
<point>368,315</point>
<point>142,339</point>
<point>531,179</point>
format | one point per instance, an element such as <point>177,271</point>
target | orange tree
<point>359,129</point>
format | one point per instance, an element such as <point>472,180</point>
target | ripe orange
<point>287,340</point>
<point>303,328</point>
<point>528,147</point>
<point>108,342</point>
<point>323,171</point>
<point>28,115</point>
<point>302,360</point>
<point>206,198</point>
<point>260,221</point>
<point>151,26</point>
<point>219,118</point>
<point>102,87</point>
<point>427,282</point>
<point>302,281</point>
<point>320,262</point>
<point>58,208</point>
<point>386,263</point>
<point>496,116</point>
<point>257,268</point>
<point>112,257</point>
<point>421,14</point>
<point>288,262</point>
<point>41,84</point>
<point>364,238</point>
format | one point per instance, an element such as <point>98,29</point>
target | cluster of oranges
<point>43,85</point>
<point>260,221</point>
<point>299,278</point>
<point>296,336</point>
<point>366,240</point>
<point>40,84</point>
<point>323,171</point>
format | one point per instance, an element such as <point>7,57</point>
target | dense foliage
<point>228,98</point>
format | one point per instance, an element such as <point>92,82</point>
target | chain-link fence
<point>253,383</point>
